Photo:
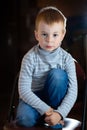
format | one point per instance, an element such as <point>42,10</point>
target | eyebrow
<point>55,32</point>
<point>47,32</point>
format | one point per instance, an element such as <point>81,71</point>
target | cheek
<point>41,39</point>
<point>58,42</point>
<point>60,39</point>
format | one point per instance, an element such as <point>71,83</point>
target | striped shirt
<point>34,69</point>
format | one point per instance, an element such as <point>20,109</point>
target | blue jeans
<point>55,89</point>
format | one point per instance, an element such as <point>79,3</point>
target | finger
<point>48,123</point>
<point>49,113</point>
<point>47,119</point>
<point>61,122</point>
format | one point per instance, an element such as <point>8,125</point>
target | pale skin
<point>50,38</point>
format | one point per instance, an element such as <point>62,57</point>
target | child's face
<point>50,36</point>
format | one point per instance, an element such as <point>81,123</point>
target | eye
<point>44,35</point>
<point>55,35</point>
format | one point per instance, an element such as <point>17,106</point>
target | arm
<point>71,95</point>
<point>24,86</point>
<point>55,117</point>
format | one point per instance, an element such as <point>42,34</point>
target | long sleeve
<point>25,83</point>
<point>71,96</point>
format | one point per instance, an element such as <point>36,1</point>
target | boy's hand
<point>49,112</point>
<point>53,119</point>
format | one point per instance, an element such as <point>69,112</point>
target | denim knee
<point>55,87</point>
<point>26,115</point>
<point>25,121</point>
<point>57,77</point>
<point>58,74</point>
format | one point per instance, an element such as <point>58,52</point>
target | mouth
<point>49,47</point>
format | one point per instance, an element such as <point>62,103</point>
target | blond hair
<point>50,15</point>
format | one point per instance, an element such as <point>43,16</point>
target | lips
<point>48,46</point>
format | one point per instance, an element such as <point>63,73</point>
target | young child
<point>47,81</point>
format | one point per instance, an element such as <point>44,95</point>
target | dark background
<point>17,37</point>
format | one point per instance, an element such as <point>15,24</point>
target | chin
<point>49,50</point>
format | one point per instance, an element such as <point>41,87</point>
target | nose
<point>49,38</point>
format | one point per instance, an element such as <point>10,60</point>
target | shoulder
<point>64,53</point>
<point>66,56</point>
<point>30,55</point>
<point>31,51</point>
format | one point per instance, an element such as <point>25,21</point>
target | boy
<point>47,81</point>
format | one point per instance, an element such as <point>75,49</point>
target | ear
<point>36,35</point>
<point>63,34</point>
